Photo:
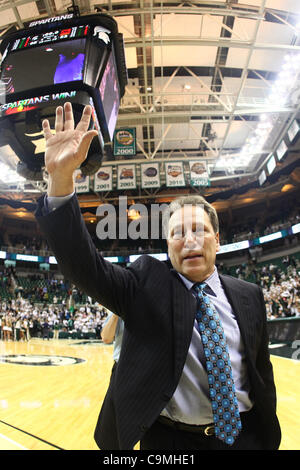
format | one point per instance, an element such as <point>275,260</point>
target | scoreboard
<point>48,37</point>
<point>78,59</point>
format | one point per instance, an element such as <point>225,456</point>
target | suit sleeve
<point>79,260</point>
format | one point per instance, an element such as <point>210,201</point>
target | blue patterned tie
<point>220,380</point>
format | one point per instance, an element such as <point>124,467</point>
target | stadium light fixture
<point>9,176</point>
<point>279,95</point>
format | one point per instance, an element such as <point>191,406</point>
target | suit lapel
<point>184,308</point>
<point>240,303</point>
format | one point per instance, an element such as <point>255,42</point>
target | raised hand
<point>66,149</point>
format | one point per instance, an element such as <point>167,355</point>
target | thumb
<point>85,143</point>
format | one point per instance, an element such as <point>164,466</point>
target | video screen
<point>110,94</point>
<point>44,66</point>
<point>47,37</point>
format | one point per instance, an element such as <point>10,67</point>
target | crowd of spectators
<point>280,284</point>
<point>259,225</point>
<point>21,320</point>
<point>43,305</point>
<point>7,283</point>
<point>37,288</point>
<point>43,288</point>
<point>23,242</point>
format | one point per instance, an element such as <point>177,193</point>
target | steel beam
<point>198,41</point>
<point>244,74</point>
<point>154,116</point>
<point>241,13</point>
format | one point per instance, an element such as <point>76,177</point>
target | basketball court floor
<point>51,393</point>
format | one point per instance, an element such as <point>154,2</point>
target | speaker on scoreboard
<point>54,60</point>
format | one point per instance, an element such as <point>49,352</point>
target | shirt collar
<point>212,282</point>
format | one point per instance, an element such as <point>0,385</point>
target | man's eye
<point>180,233</point>
<point>177,234</point>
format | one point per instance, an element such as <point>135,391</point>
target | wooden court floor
<point>51,393</point>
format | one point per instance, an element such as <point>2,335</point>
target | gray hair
<point>193,200</point>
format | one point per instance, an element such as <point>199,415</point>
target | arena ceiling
<point>215,81</point>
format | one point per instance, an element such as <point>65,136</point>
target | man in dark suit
<point>161,393</point>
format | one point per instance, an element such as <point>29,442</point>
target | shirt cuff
<point>54,202</point>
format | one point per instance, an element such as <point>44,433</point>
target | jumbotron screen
<point>49,65</point>
<point>79,60</point>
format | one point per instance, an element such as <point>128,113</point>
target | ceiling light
<point>133,214</point>
<point>264,124</point>
<point>220,163</point>
<point>286,187</point>
<point>264,118</point>
<point>286,79</point>
<point>20,213</point>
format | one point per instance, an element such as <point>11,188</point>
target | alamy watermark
<point>115,225</point>
<point>152,222</point>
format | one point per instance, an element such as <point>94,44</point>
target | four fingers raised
<point>64,120</point>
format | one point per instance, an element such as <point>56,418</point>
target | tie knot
<point>199,287</point>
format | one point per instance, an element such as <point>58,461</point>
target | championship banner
<point>82,182</point>
<point>126,177</point>
<point>103,179</point>
<point>150,175</point>
<point>174,174</point>
<point>124,142</point>
<point>199,173</point>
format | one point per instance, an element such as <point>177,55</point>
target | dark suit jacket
<point>158,312</point>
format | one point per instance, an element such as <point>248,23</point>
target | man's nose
<point>190,240</point>
<point>189,234</point>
